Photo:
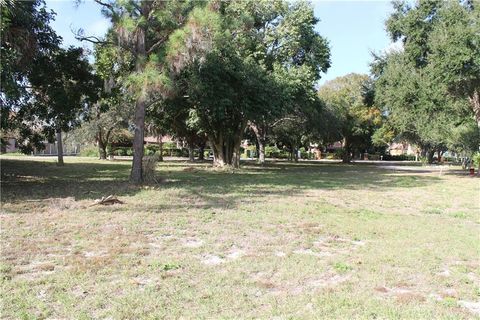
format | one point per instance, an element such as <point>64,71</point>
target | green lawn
<point>300,241</point>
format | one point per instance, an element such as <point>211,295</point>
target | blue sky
<point>353,28</point>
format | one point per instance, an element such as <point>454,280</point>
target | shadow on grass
<point>37,180</point>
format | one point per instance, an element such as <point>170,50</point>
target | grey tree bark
<point>59,148</point>
<point>191,153</point>
<point>261,135</point>
<point>346,155</point>
<point>136,175</point>
<point>160,144</point>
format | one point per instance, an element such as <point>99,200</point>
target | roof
<point>153,139</point>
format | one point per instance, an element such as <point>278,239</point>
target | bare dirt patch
<point>472,307</point>
<point>192,242</point>
<point>212,260</point>
<point>401,294</point>
<point>329,279</point>
<point>260,243</point>
<point>310,252</point>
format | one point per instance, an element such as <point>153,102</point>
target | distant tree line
<point>212,73</point>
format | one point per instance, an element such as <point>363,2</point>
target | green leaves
<point>25,35</point>
<point>424,89</point>
<point>192,42</point>
<point>357,120</point>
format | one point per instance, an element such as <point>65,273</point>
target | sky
<point>353,28</point>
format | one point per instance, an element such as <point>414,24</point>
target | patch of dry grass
<point>289,241</point>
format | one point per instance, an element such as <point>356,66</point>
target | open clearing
<point>307,240</point>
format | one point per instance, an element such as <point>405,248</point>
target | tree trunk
<point>226,150</point>
<point>102,147</point>
<point>346,155</point>
<point>136,175</point>
<point>423,152</point>
<point>261,152</point>
<point>59,148</point>
<point>257,150</point>
<point>235,161</point>
<point>218,151</point>
<point>439,155</point>
<point>260,134</point>
<point>475,103</point>
<point>201,151</point>
<point>237,141</point>
<point>102,151</point>
<point>160,144</point>
<point>430,154</point>
<point>226,153</point>
<point>191,154</point>
<point>295,154</point>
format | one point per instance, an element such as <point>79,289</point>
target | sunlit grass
<point>285,240</point>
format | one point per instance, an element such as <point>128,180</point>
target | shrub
<point>423,160</point>
<point>330,156</point>
<point>122,151</point>
<point>89,151</point>
<point>373,157</point>
<point>206,153</point>
<point>169,145</point>
<point>402,157</point>
<point>271,151</point>
<point>339,153</point>
<point>151,149</point>
<point>149,165</point>
<point>275,152</point>
<point>476,158</point>
<point>304,154</point>
<point>180,152</point>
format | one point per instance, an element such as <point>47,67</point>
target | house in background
<point>159,139</point>
<point>320,152</point>
<point>402,148</point>
<point>69,149</point>
<point>10,146</point>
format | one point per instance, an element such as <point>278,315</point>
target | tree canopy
<point>430,87</point>
<point>357,120</point>
<point>26,36</point>
<point>262,64</point>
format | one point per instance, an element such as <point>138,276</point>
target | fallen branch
<point>106,201</point>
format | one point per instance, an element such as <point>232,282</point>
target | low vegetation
<point>306,240</point>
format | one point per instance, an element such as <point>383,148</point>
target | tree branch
<point>106,5</point>
<point>283,119</point>
<point>156,45</point>
<point>79,35</point>
<point>93,39</point>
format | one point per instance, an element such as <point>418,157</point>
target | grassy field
<point>285,241</point>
